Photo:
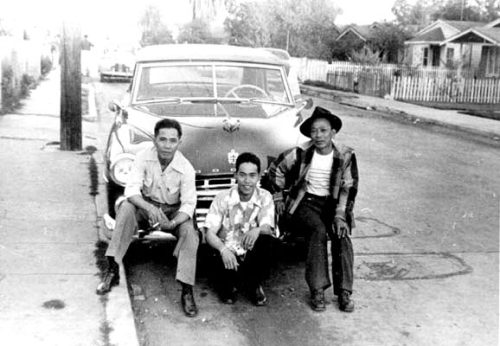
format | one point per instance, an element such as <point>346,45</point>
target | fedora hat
<point>320,113</point>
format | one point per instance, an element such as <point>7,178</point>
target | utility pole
<point>71,87</point>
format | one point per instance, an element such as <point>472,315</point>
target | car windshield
<point>230,85</point>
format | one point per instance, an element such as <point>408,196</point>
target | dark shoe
<point>345,302</point>
<point>318,300</point>
<point>111,278</point>
<point>188,304</point>
<point>229,296</point>
<point>259,297</point>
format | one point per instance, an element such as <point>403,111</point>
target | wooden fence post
<point>71,88</point>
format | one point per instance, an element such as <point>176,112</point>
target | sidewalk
<point>48,232</point>
<point>483,127</point>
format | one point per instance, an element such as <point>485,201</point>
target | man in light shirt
<point>322,179</point>
<point>161,195</point>
<point>240,226</point>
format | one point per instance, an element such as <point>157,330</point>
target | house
<point>469,45</point>
<point>369,37</point>
<point>483,41</point>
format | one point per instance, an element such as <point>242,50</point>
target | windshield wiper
<point>162,100</point>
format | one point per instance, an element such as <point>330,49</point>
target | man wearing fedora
<point>321,177</point>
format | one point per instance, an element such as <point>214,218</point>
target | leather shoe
<point>229,296</point>
<point>260,298</point>
<point>345,302</point>
<point>318,300</point>
<point>188,304</point>
<point>111,278</point>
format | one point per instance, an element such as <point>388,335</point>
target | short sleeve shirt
<point>233,219</point>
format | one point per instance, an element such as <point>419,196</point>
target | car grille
<point>207,186</point>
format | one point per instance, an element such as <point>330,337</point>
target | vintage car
<point>116,66</point>
<point>228,100</point>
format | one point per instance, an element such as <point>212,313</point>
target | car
<point>228,100</point>
<point>116,66</point>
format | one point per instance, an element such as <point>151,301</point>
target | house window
<point>450,53</point>
<point>425,56</point>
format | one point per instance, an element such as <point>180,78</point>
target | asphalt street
<point>426,251</point>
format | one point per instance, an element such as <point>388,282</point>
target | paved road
<point>426,247</point>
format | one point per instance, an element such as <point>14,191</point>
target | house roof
<point>463,25</point>
<point>434,36</point>
<point>440,30</point>
<point>488,34</point>
<point>364,32</point>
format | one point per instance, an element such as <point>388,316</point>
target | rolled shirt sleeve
<point>266,214</point>
<point>188,192</point>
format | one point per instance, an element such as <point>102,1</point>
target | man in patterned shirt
<point>240,226</point>
<point>322,178</point>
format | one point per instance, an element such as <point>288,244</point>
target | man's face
<point>167,141</point>
<point>322,133</point>
<point>247,178</point>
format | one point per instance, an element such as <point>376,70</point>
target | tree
<point>303,27</point>
<point>197,31</point>
<point>154,31</point>
<point>247,23</point>
<point>388,39</point>
<point>423,12</point>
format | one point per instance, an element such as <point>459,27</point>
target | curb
<point>117,307</point>
<point>390,113</point>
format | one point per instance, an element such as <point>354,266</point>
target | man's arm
<point>213,223</point>
<point>133,191</point>
<point>347,196</point>
<point>187,199</point>
<point>278,171</point>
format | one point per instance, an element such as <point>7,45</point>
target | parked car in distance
<point>228,100</point>
<point>116,66</point>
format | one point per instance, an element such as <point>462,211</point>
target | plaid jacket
<point>289,171</point>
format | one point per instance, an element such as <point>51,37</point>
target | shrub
<point>10,99</point>
<point>27,83</point>
<point>46,65</point>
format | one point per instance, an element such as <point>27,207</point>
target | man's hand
<point>280,207</point>
<point>340,228</point>
<point>229,259</point>
<point>249,238</point>
<point>154,214</point>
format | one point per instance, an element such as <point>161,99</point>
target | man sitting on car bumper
<point>161,195</point>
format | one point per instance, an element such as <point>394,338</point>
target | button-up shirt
<point>175,184</point>
<point>228,215</point>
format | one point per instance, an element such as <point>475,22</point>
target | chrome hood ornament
<point>230,125</point>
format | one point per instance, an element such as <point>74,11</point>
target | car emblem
<point>230,125</point>
<point>232,156</point>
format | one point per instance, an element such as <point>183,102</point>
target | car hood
<point>211,144</point>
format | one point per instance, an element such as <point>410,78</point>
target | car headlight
<point>121,168</point>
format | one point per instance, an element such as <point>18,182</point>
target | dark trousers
<point>129,218</point>
<point>314,218</point>
<point>253,269</point>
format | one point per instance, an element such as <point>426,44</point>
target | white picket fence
<point>446,90</point>
<point>317,70</point>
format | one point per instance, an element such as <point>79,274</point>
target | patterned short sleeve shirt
<point>234,218</point>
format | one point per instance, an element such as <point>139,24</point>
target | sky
<point>364,11</point>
